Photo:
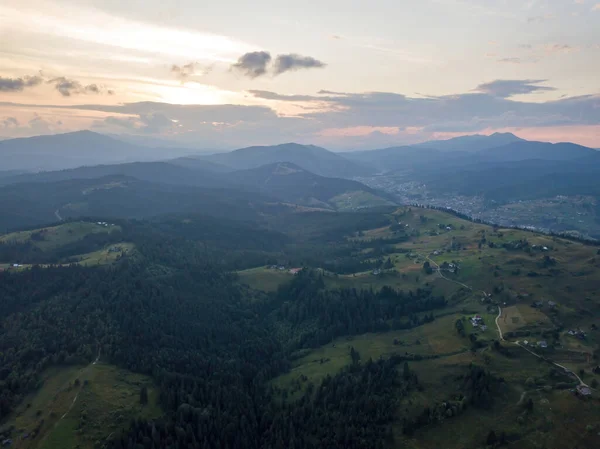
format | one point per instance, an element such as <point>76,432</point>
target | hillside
<point>288,182</point>
<point>70,150</point>
<point>156,172</point>
<point>33,204</point>
<point>405,325</point>
<point>404,158</point>
<point>199,163</point>
<point>311,158</point>
<point>79,242</point>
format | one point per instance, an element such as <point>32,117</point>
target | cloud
<point>508,88</point>
<point>130,123</point>
<point>256,63</point>
<point>253,64</point>
<point>285,63</point>
<point>19,84</point>
<point>155,122</point>
<point>596,7</point>
<point>9,122</point>
<point>510,60</point>
<point>68,87</point>
<point>183,72</point>
<point>335,118</point>
<point>559,48</point>
<point>267,95</point>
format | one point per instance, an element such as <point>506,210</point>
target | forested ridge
<point>175,311</point>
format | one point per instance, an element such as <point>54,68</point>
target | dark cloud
<point>508,88</point>
<point>68,87</point>
<point>267,95</point>
<point>285,63</point>
<point>19,84</point>
<point>253,64</point>
<point>183,72</point>
<point>93,88</point>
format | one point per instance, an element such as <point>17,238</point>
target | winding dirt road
<point>501,336</point>
<point>567,370</point>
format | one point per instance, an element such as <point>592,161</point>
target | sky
<point>341,74</point>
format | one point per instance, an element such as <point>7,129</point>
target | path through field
<point>567,370</point>
<point>77,395</point>
<point>439,271</point>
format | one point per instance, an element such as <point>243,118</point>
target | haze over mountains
<point>501,168</point>
<point>70,150</point>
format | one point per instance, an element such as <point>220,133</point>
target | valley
<point>262,305</point>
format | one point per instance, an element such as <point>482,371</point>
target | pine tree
<point>144,395</point>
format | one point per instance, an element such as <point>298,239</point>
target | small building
<point>551,303</point>
<point>7,442</point>
<point>542,344</point>
<point>545,248</point>
<point>483,327</point>
<point>477,321</point>
<point>295,271</point>
<point>584,390</point>
<point>376,272</point>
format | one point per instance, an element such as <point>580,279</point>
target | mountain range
<point>312,158</point>
<point>86,172</point>
<point>70,150</point>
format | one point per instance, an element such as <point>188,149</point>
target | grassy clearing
<point>56,236</point>
<point>264,278</point>
<point>107,398</point>
<point>106,256</point>
<point>432,339</point>
<point>519,316</point>
<point>357,200</point>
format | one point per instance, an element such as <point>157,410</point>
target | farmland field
<point>542,283</point>
<point>56,236</point>
<point>76,406</point>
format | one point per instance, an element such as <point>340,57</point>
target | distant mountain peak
<point>472,143</point>
<point>311,158</point>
